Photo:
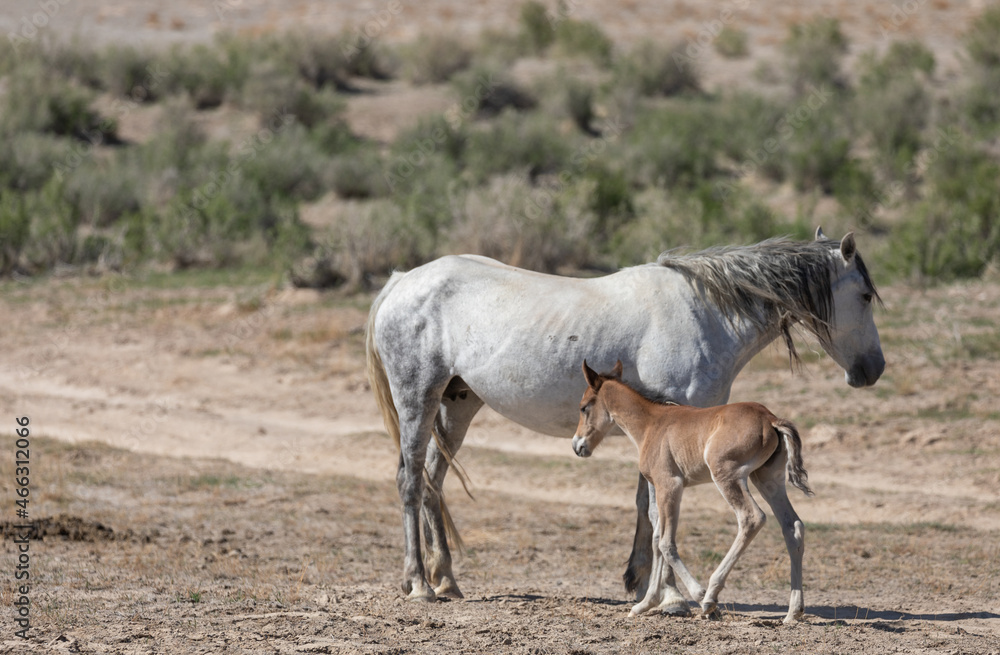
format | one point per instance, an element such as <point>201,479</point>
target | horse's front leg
<point>640,560</point>
<point>456,413</point>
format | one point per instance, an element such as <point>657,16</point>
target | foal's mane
<point>775,280</point>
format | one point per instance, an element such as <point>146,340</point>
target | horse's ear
<point>616,372</point>
<point>819,233</point>
<point>847,247</point>
<point>593,379</point>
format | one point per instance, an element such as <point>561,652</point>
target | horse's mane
<point>775,280</point>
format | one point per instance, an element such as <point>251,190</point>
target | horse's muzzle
<point>580,446</point>
<point>866,371</point>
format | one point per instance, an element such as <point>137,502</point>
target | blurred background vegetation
<point>599,156</point>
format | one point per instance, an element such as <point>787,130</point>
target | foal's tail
<point>797,474</point>
<point>383,398</point>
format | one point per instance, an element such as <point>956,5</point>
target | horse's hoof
<point>449,589</point>
<point>638,609</point>
<point>675,608</point>
<point>421,592</point>
<point>793,618</point>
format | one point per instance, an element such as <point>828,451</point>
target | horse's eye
<point>868,297</point>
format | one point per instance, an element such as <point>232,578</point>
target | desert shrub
<point>103,191</point>
<point>233,223</point>
<point>537,228</point>
<point>980,102</point>
<point>903,58</point>
<point>674,146</point>
<point>752,125</point>
<point>436,58</point>
<point>582,38</point>
<point>894,116</point>
<point>818,149</point>
<point>527,143</point>
<point>15,224</point>
<point>40,101</point>
<point>177,142</point>
<point>656,70</point>
<point>579,104</point>
<point>130,71</point>
<point>731,43</point>
<point>430,135</point>
<point>982,41</point>
<point>955,232</point>
<point>611,199</point>
<point>204,73</point>
<point>51,228</point>
<point>31,158</point>
<point>360,174</point>
<point>484,91</point>
<point>271,92</point>
<point>535,27</point>
<point>814,51</point>
<point>289,165</point>
<point>366,239</point>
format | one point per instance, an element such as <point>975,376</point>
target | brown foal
<point>681,446</point>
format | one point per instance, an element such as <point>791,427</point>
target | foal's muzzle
<point>580,446</point>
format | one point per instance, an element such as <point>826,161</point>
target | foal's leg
<point>750,520</point>
<point>669,492</point>
<point>454,416</point>
<point>771,484</point>
<point>662,593</point>
<point>640,560</point>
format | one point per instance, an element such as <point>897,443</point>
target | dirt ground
<point>214,478</point>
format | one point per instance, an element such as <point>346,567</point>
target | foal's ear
<point>593,379</point>
<point>847,247</point>
<point>616,372</point>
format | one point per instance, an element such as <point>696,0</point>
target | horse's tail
<point>383,398</point>
<point>797,474</point>
<point>376,370</point>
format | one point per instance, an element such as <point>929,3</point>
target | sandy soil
<point>217,480</point>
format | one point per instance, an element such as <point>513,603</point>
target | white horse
<point>461,331</point>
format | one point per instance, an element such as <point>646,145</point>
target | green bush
<point>272,92</point>
<point>524,143</point>
<point>731,43</point>
<point>539,228</point>
<point>814,51</point>
<point>581,38</point>
<point>51,229</point>
<point>656,70</point>
<point>535,27</point>
<point>673,147</point>
<point>31,159</point>
<point>358,175</point>
<point>39,101</point>
<point>15,226</point>
<point>289,165</point>
<point>484,92</point>
<point>435,59</point>
<point>130,71</point>
<point>104,191</point>
<point>982,41</point>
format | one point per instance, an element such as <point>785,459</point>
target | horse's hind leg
<point>771,484</point>
<point>662,593</point>
<point>457,410</point>
<point>640,560</point>
<point>415,422</point>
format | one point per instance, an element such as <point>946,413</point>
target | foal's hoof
<point>710,611</point>
<point>448,589</point>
